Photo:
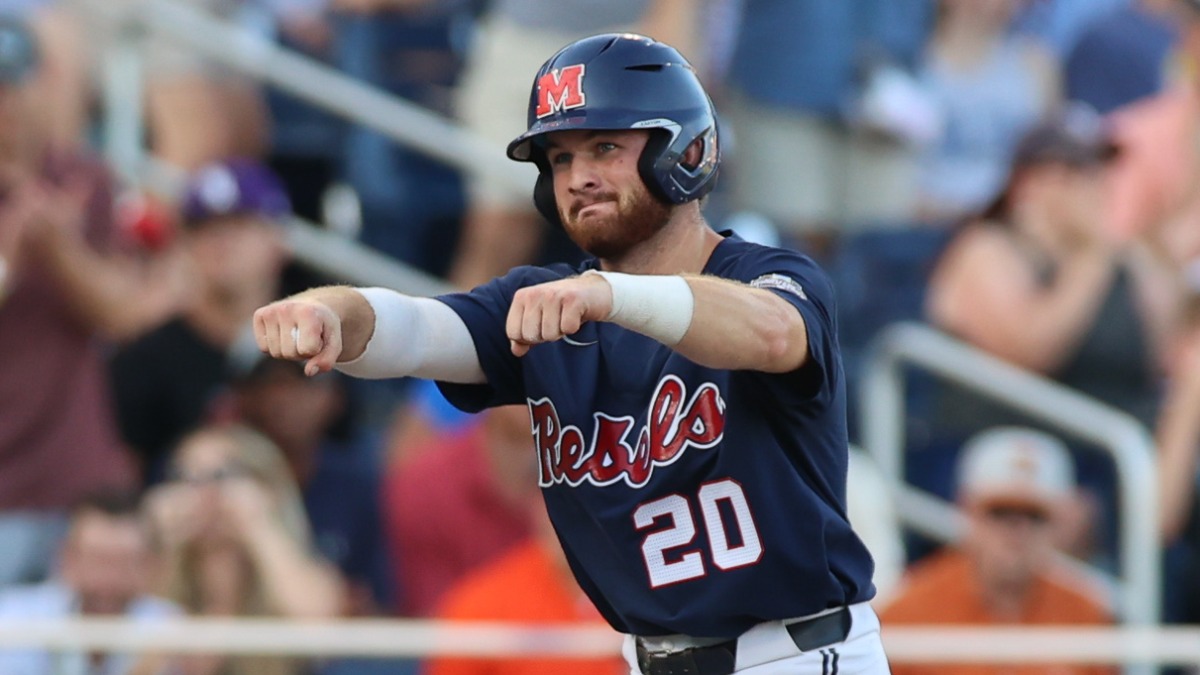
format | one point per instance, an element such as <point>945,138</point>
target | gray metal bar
<point>122,95</point>
<point>1123,437</point>
<point>336,256</point>
<point>410,638</point>
<point>321,85</point>
<point>353,263</point>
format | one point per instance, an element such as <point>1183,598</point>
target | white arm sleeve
<point>419,337</point>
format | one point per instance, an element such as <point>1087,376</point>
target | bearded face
<point>604,205</point>
<point>613,223</point>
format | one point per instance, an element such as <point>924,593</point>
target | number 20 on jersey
<point>671,525</point>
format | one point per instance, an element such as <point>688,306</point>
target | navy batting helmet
<point>624,81</point>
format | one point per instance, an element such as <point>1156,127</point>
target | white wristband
<point>421,337</point>
<point>660,307</point>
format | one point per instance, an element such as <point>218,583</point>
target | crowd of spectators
<point>152,464</point>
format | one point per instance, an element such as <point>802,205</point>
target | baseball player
<point>685,387</point>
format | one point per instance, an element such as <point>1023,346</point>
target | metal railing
<point>308,79</point>
<point>411,638</point>
<point>252,55</point>
<point>883,435</point>
<point>1132,646</point>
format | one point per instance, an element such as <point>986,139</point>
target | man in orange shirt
<point>530,584</point>
<point>1012,484</point>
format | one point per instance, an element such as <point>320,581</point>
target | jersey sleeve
<point>805,286</point>
<point>485,311</point>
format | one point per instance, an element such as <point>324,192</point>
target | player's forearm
<point>715,322</point>
<point>419,337</point>
<point>736,327</point>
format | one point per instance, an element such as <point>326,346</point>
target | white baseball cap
<point>1015,465</point>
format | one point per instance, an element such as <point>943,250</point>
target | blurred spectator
<point>991,86</point>
<point>409,204</point>
<point>458,504</point>
<point>1038,281</point>
<point>337,473</point>
<point>1178,433</point>
<point>530,584</point>
<point>1012,484</point>
<point>826,112</point>
<point>425,417</point>
<point>63,82</point>
<point>166,382</point>
<point>69,284</point>
<point>1058,24</point>
<point>1153,190</point>
<point>107,565</point>
<point>237,542</point>
<point>1122,56</point>
<point>306,140</point>
<point>196,111</point>
<point>1178,439</point>
<point>502,229</point>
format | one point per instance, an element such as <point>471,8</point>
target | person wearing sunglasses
<point>237,542</point>
<point>1015,486</point>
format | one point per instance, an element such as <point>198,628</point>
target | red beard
<point>639,216</point>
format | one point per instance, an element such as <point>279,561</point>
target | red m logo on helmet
<point>560,89</point>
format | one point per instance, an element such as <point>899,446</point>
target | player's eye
<point>604,146</point>
<point>560,159</point>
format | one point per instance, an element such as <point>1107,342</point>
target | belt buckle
<point>716,659</point>
<point>665,663</point>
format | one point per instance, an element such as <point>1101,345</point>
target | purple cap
<point>234,187</point>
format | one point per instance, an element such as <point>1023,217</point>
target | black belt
<point>719,659</point>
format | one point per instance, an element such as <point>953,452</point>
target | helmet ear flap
<point>544,199</point>
<point>543,190</point>
<point>656,146</point>
<point>664,172</point>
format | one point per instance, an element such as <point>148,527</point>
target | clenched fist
<point>547,312</point>
<point>300,329</point>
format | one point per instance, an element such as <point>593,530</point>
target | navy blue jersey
<point>688,499</point>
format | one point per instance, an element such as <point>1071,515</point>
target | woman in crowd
<point>237,542</point>
<point>990,86</point>
<point>1039,280</point>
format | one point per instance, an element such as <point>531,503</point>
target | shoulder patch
<point>780,282</point>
